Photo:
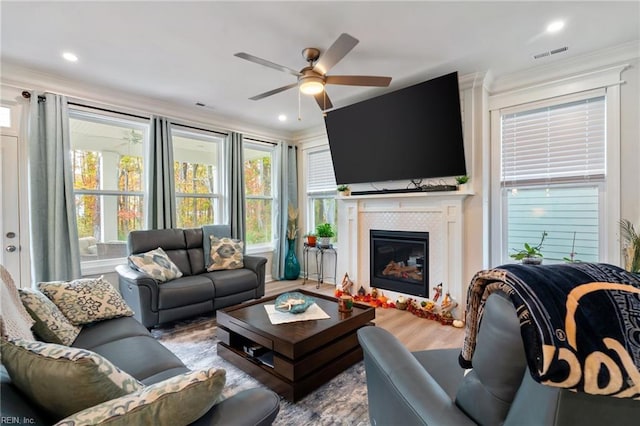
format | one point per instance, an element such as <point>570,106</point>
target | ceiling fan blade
<point>323,100</point>
<point>359,80</point>
<point>266,63</point>
<point>335,53</point>
<point>273,92</point>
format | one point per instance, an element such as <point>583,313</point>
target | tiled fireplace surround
<point>439,213</point>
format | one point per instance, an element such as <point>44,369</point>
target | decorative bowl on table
<point>293,302</point>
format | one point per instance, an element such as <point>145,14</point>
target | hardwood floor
<point>415,333</point>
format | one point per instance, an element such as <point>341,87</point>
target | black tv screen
<point>411,133</point>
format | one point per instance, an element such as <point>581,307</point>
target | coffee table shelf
<point>306,354</point>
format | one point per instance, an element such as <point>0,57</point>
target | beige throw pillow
<point>86,300</point>
<point>180,400</point>
<point>155,263</point>
<point>64,380</point>
<point>226,253</point>
<point>51,324</point>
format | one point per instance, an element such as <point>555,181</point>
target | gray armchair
<point>430,388</point>
<point>197,291</point>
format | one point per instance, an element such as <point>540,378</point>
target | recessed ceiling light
<point>70,57</point>
<point>282,117</point>
<point>555,26</point>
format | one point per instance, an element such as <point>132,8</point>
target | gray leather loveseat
<point>197,291</point>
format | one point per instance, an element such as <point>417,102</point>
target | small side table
<point>319,252</point>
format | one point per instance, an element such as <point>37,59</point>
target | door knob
<point>11,248</point>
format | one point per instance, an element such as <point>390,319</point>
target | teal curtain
<point>287,194</point>
<point>161,201</point>
<point>235,160</point>
<point>55,252</point>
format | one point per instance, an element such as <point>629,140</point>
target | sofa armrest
<point>257,265</point>
<point>251,407</point>
<point>399,389</point>
<point>140,291</point>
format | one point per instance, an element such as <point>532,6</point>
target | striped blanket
<point>580,323</point>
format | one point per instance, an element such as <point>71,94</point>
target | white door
<point>9,207</point>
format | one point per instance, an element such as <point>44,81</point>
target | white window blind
<point>320,176</point>
<point>559,143</point>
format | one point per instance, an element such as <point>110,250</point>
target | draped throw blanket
<point>580,323</point>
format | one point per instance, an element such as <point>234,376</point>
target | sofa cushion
<point>50,324</point>
<point>141,356</point>
<point>86,300</point>
<point>179,400</point>
<point>226,253</point>
<point>61,379</point>
<point>102,332</point>
<point>233,281</point>
<point>185,291</point>
<point>156,264</point>
<point>15,321</point>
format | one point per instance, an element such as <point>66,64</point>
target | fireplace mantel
<point>439,213</point>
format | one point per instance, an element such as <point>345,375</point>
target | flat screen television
<point>412,133</point>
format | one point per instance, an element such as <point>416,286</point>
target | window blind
<point>559,143</point>
<point>320,176</point>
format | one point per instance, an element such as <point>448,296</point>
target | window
<point>5,116</point>
<point>553,176</point>
<point>259,185</point>
<point>197,171</point>
<point>321,190</point>
<point>108,166</point>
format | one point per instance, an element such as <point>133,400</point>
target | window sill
<point>260,249</point>
<point>104,266</point>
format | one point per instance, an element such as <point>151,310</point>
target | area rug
<point>341,401</point>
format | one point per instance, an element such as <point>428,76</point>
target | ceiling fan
<point>313,78</point>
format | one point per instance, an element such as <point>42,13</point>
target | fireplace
<point>400,261</point>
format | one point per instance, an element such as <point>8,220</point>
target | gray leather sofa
<point>197,291</point>
<point>430,388</point>
<point>130,346</point>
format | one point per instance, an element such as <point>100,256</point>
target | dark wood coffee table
<point>292,358</point>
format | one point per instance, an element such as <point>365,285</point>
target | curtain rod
<point>108,110</point>
<point>260,141</point>
<point>200,128</point>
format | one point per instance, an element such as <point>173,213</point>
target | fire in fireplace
<point>400,261</point>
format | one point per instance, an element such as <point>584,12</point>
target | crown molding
<point>579,64</point>
<point>25,78</point>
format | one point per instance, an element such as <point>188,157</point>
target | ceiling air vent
<point>550,52</point>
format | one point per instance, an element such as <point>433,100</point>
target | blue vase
<point>291,264</point>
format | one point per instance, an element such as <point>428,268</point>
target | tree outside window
<point>258,174</point>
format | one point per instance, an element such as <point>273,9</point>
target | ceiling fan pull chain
<point>299,109</point>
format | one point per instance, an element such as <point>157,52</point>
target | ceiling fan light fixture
<point>311,85</point>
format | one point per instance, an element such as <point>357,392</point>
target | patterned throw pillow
<point>156,264</point>
<point>226,253</point>
<point>64,380</point>
<point>86,300</point>
<point>179,400</point>
<point>51,324</point>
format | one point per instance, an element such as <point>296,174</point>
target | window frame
<point>100,265</point>
<point>329,192</point>
<point>609,80</point>
<point>271,149</point>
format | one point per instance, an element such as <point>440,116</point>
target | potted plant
<point>530,254</point>
<point>310,238</point>
<point>344,190</point>
<point>631,246</point>
<point>325,232</point>
<point>462,182</point>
